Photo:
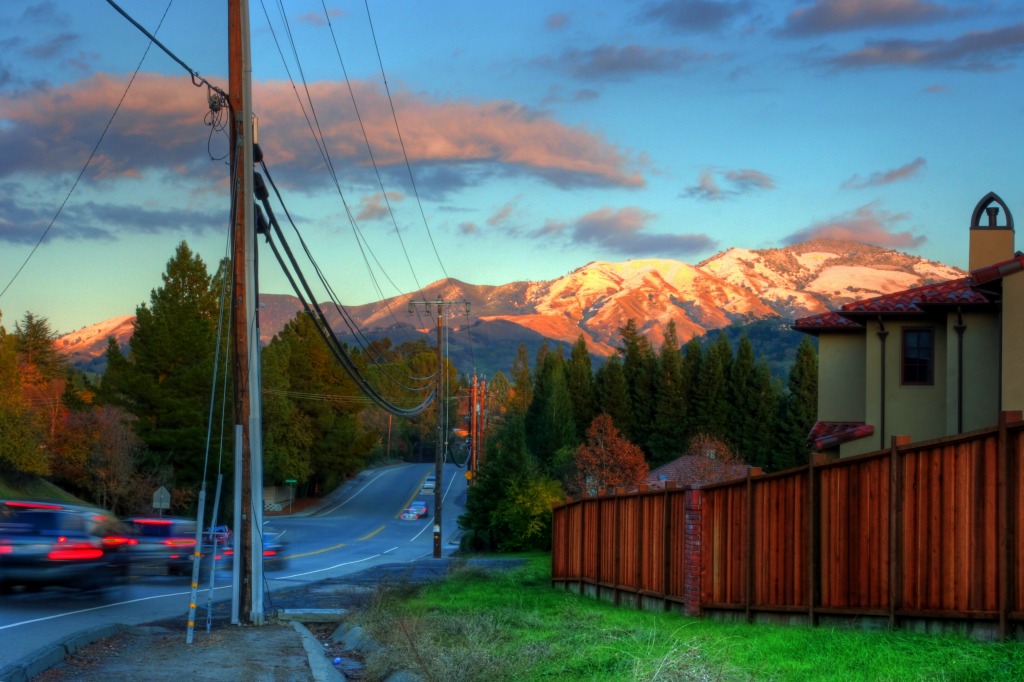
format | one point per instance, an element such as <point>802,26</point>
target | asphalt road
<point>358,526</point>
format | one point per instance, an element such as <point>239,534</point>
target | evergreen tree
<point>166,379</point>
<point>522,381</point>
<point>549,418</point>
<point>713,411</point>
<point>670,416</point>
<point>693,360</point>
<point>613,392</point>
<point>507,466</point>
<point>580,381</point>
<point>34,342</point>
<point>639,365</point>
<point>799,409</point>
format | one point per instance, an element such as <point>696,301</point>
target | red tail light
<point>180,542</point>
<point>77,551</point>
<point>119,541</point>
<point>33,505</point>
<point>269,552</point>
<point>153,522</point>
<point>6,549</point>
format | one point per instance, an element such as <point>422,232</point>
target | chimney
<point>991,243</point>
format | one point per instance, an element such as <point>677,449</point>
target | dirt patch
<point>159,653</point>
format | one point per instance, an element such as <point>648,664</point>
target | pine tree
<point>670,418</point>
<point>693,360</point>
<point>713,411</point>
<point>639,365</point>
<point>799,409</point>
<point>166,380</point>
<point>580,381</point>
<point>522,381</point>
<point>613,392</point>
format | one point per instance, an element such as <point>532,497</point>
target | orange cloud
<point>160,126</point>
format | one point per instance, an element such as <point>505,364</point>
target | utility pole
<point>441,402</point>
<point>247,590</point>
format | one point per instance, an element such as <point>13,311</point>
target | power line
<point>96,147</point>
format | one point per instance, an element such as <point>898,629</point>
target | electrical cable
<point>95,148</point>
<point>321,326</point>
<point>368,347</point>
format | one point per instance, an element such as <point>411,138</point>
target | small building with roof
<point>928,362</point>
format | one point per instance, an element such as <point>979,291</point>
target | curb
<point>40,660</point>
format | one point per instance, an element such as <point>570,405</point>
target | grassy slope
<point>513,626</point>
<point>32,489</point>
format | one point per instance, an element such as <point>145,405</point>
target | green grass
<point>512,625</point>
<point>32,489</point>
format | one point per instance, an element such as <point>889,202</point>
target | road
<point>357,527</point>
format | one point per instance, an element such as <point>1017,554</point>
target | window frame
<point>928,364</point>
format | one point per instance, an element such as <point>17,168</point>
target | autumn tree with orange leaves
<point>607,459</point>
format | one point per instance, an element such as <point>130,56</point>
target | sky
<point>493,142</point>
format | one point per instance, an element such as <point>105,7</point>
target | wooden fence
<point>915,534</point>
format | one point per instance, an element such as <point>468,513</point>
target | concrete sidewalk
<point>294,646</point>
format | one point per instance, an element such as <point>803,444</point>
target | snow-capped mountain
<point>596,300</point>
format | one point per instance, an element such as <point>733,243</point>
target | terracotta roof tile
<point>998,270</point>
<point>830,320</point>
<point>826,435</point>
<point>911,301</point>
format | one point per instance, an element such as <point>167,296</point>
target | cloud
<point>866,224</point>
<point>695,15</point>
<point>879,178</point>
<point>52,47</point>
<point>21,222</point>
<point>468,228</point>
<point>374,207</point>
<point>556,21</point>
<point>318,19</point>
<point>623,231</point>
<point>161,126</point>
<point>832,16</point>
<point>505,212</point>
<point>742,181</point>
<point>621,63</point>
<point>934,89</point>
<point>972,51</point>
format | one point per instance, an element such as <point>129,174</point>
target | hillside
<point>734,287</point>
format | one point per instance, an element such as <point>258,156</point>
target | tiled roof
<point>697,470</point>
<point>826,435</point>
<point>830,320</point>
<point>999,270</point>
<point>909,301</point>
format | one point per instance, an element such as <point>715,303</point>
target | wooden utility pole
<point>247,590</point>
<point>441,402</point>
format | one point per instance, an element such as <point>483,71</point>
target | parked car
<point>416,510</point>
<point>55,544</point>
<point>163,543</point>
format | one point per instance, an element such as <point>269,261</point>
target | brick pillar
<point>692,579</point>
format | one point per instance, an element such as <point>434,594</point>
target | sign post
<point>161,500</point>
<point>291,492</point>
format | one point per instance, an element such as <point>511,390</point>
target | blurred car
<point>416,510</point>
<point>55,544</point>
<point>162,543</point>
<point>218,547</point>
<point>430,482</point>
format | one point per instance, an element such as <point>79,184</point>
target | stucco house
<point>927,362</point>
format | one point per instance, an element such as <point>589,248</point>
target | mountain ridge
<point>595,300</point>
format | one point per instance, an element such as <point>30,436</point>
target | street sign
<point>290,480</point>
<point>161,498</point>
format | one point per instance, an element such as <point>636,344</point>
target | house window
<point>918,359</point>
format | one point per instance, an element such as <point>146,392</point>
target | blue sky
<point>540,136</point>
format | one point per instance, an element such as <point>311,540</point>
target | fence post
<point>895,528</point>
<point>1003,520</point>
<point>618,545</point>
<point>693,552</point>
<point>749,563</point>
